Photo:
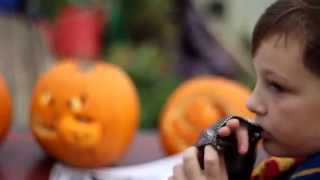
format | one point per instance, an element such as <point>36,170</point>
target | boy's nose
<point>255,105</point>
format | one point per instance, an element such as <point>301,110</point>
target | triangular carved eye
<point>76,104</point>
<point>46,99</point>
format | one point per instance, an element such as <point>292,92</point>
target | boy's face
<point>286,98</point>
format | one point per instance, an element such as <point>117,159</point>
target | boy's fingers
<point>191,165</point>
<point>224,131</point>
<point>241,134</point>
<point>178,173</point>
<point>232,125</point>
<point>214,167</point>
<point>211,162</point>
<point>243,140</point>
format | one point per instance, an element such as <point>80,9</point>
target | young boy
<point>286,100</point>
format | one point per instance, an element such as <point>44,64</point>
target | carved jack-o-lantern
<point>85,116</point>
<point>197,104</point>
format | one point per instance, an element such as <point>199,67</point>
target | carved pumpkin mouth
<point>196,105</point>
<point>75,131</point>
<point>79,131</point>
<point>44,129</point>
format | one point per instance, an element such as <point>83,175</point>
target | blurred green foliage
<point>140,37</point>
<point>152,73</point>
<point>141,21</point>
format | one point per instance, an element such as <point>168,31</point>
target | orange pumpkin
<point>85,116</point>
<point>196,105</point>
<point>5,109</point>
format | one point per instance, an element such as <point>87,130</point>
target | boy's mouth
<point>265,135</point>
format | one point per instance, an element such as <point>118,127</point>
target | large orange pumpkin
<point>196,105</point>
<point>85,116</point>
<point>5,109</point>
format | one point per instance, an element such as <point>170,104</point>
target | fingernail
<point>242,150</point>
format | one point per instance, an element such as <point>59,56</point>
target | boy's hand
<point>241,132</point>
<point>214,166</point>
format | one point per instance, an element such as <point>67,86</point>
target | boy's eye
<point>275,87</point>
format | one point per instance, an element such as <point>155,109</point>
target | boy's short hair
<point>300,18</point>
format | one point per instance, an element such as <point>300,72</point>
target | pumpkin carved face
<point>85,116</point>
<point>196,105</point>
<point>5,109</point>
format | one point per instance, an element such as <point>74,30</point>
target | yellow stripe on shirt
<point>306,172</point>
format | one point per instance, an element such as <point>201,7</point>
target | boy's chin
<point>274,149</point>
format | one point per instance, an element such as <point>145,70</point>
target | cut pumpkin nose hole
<point>83,119</point>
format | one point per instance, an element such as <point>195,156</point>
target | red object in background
<point>78,32</point>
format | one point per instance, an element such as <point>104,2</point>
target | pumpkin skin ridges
<point>110,98</point>
<point>226,96</point>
